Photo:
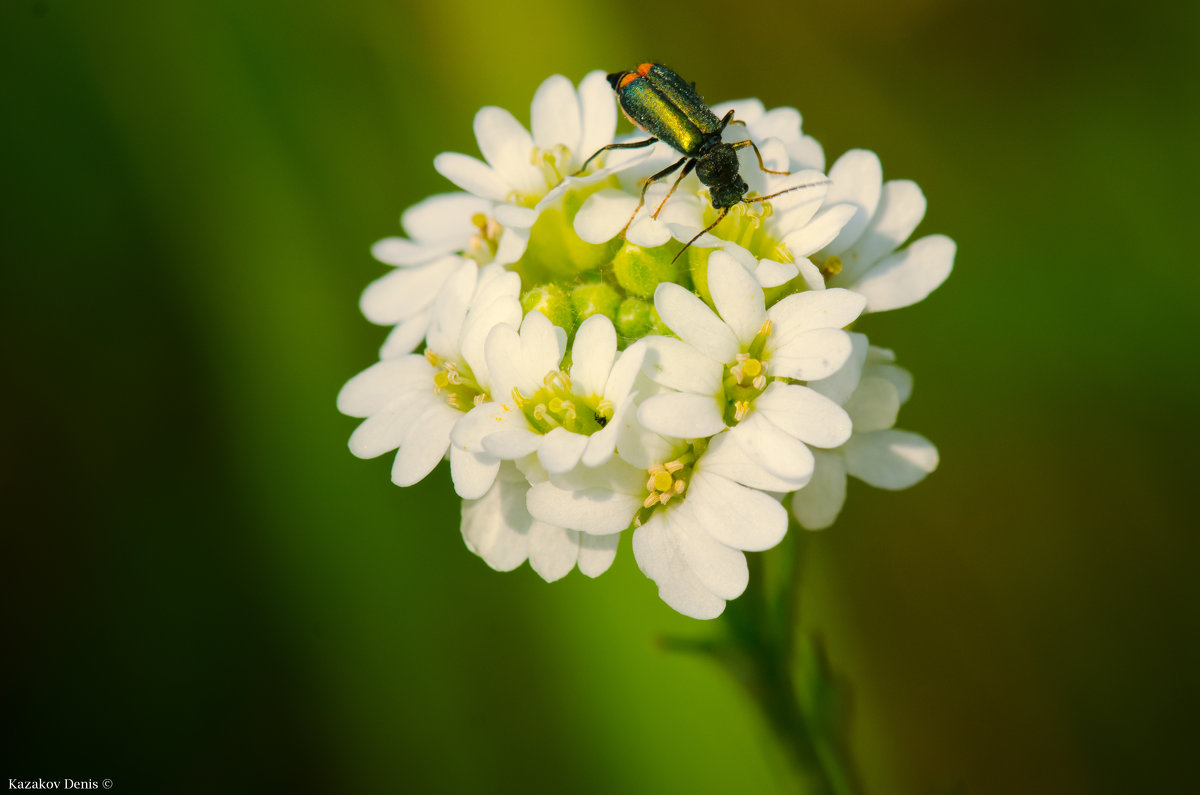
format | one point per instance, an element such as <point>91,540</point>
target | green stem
<point>762,653</point>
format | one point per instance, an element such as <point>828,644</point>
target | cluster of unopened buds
<point>591,363</point>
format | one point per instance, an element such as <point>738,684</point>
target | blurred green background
<point>203,590</point>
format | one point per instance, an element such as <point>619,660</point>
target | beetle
<point>667,108</point>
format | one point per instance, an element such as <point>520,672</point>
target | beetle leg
<point>603,149</point>
<point>761,164</point>
<point>701,232</point>
<point>788,190</point>
<point>666,172</point>
<point>687,169</point>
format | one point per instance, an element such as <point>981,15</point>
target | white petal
<point>450,310</point>
<point>424,445</point>
<point>444,218</point>
<point>472,473</point>
<point>873,406</point>
<point>812,355</point>
<point>772,274</point>
<point>801,196</point>
<point>775,450</point>
<point>505,145</point>
<point>818,232</point>
<point>600,446</point>
<point>857,179</point>
<point>908,276</point>
<point>805,414</point>
<point>560,450</point>
<point>682,415</point>
<point>736,516</point>
<point>677,365</point>
<point>648,232</point>
<point>656,548</point>
<point>748,111</point>
<point>510,215</point>
<point>818,504</point>
<point>401,340</point>
<point>721,570</point>
<point>496,526</point>
<point>488,418</point>
<point>841,385</point>
<point>504,308</point>
<point>385,430</point>
<point>813,280</point>
<point>901,208</point>
<point>542,346</point>
<point>738,296</point>
<point>690,318</point>
<point>405,291</point>
<point>624,372</point>
<point>615,476</point>
<point>642,447</point>
<point>603,215</point>
<point>596,553</point>
<point>512,245</point>
<point>472,175</point>
<point>382,382</point>
<point>502,349</point>
<point>597,511</point>
<point>890,459</point>
<point>555,114</point>
<point>552,550</point>
<point>511,444</point>
<point>398,251</point>
<point>726,458</point>
<point>900,378</point>
<point>599,115</point>
<point>592,355</point>
<point>809,310</point>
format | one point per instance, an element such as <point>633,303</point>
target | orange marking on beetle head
<point>628,78</point>
<point>644,69</point>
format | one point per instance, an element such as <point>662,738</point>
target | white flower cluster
<point>585,379</point>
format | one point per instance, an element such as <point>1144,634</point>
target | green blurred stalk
<point>784,672</point>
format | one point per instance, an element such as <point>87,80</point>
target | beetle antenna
<point>707,228</point>
<point>786,190</point>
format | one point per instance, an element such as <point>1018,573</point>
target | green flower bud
<point>634,318</point>
<point>597,298</point>
<point>551,301</point>
<point>640,270</point>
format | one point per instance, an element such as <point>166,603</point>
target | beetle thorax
<point>718,169</point>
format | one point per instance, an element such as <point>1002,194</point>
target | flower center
<point>483,244</point>
<point>555,405</point>
<point>457,385</point>
<point>668,481</point>
<point>554,165</point>
<point>830,267</point>
<point>746,225</point>
<point>746,378</point>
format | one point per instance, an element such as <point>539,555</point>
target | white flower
<point>863,257</point>
<point>498,528</point>
<point>445,232</point>
<point>876,453</point>
<point>593,364</point>
<point>773,241</point>
<point>782,124</point>
<point>411,402</point>
<point>524,174</point>
<point>694,506</point>
<point>563,417</point>
<point>726,370</point>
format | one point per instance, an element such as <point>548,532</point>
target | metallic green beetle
<point>660,103</point>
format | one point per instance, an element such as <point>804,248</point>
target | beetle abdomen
<point>656,112</point>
